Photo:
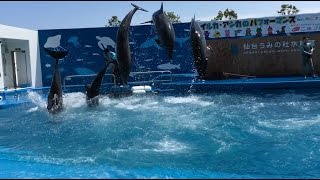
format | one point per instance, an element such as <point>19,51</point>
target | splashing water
<point>267,135</point>
<point>194,78</point>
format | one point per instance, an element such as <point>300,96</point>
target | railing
<point>143,82</point>
<point>82,85</point>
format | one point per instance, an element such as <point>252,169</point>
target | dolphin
<point>199,48</point>
<point>164,30</point>
<point>92,90</point>
<point>55,100</point>
<point>122,48</point>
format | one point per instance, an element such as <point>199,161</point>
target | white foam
<point>74,100</point>
<point>37,99</point>
<point>130,103</point>
<point>33,109</point>
<point>255,107</point>
<point>224,146</point>
<point>59,161</point>
<point>291,123</point>
<point>187,100</point>
<point>168,146</point>
<point>254,130</point>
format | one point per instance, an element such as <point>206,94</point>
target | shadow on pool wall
<point>85,50</point>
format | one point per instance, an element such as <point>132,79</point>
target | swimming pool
<point>271,134</point>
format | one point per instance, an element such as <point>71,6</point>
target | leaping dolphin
<point>164,30</point>
<point>199,48</point>
<point>55,100</point>
<point>92,90</point>
<point>123,48</point>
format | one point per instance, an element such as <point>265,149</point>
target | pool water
<point>222,135</point>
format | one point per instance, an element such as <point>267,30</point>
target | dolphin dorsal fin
<point>161,9</point>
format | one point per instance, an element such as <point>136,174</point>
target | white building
<point>19,58</point>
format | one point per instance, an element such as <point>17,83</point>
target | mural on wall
<point>86,51</point>
<point>257,27</point>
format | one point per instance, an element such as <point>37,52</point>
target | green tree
<point>287,9</point>
<point>172,17</point>
<point>226,15</point>
<point>113,22</point>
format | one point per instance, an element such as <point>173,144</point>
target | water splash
<point>260,135</point>
<point>194,78</point>
<point>37,99</point>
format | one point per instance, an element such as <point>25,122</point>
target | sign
<point>259,27</point>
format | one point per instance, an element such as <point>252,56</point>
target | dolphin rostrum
<point>164,30</point>
<point>55,100</point>
<point>123,49</point>
<point>199,48</point>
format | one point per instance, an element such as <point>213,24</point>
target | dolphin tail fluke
<point>56,54</point>
<point>147,22</point>
<point>139,8</point>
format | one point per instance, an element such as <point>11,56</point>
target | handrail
<point>87,75</point>
<point>149,72</point>
<point>114,83</point>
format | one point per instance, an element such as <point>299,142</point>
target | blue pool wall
<point>85,56</point>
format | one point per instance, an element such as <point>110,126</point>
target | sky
<point>37,15</point>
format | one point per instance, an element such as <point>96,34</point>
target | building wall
<point>255,46</point>
<point>11,45</point>
<point>32,50</point>
<point>85,50</point>
<point>261,56</point>
<point>233,52</point>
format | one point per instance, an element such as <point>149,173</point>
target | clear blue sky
<point>81,14</point>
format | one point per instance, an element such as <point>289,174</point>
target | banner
<point>259,27</point>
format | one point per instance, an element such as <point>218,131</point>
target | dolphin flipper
<point>147,22</point>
